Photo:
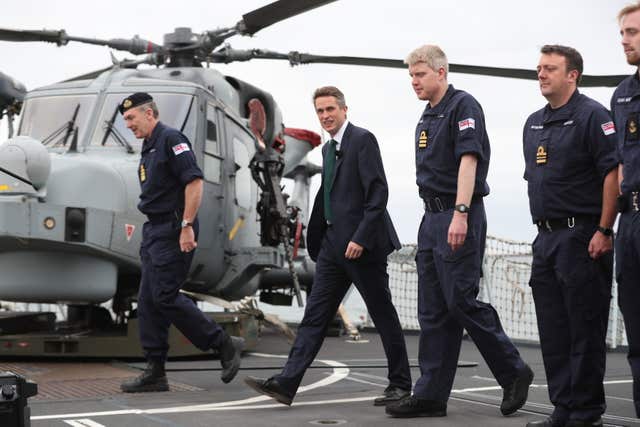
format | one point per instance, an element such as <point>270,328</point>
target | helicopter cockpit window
<point>175,111</point>
<point>58,120</point>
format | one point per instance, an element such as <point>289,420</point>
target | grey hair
<point>150,106</point>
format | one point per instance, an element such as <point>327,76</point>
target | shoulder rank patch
<point>143,173</point>
<point>422,140</point>
<point>466,124</point>
<point>180,148</point>
<point>608,128</point>
<point>541,155</point>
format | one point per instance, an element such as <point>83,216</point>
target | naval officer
<point>571,172</point>
<point>625,107</point>
<point>452,160</point>
<point>171,184</point>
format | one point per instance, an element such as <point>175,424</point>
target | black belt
<point>564,223</point>
<point>629,202</point>
<point>443,202</point>
<point>162,218</point>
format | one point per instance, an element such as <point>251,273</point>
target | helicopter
<point>72,237</point>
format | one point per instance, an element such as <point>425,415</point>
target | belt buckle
<point>634,201</point>
<point>439,204</point>
<point>571,222</point>
<point>547,225</point>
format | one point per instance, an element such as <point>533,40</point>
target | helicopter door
<point>212,224</point>
<point>243,191</point>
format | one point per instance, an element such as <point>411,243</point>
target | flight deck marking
<point>86,422</point>
<point>340,371</point>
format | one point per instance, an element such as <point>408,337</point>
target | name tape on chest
<point>180,148</point>
<point>608,128</point>
<point>623,100</point>
<point>466,124</point>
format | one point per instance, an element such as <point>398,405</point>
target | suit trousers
<point>448,286</point>
<point>628,278</point>
<point>334,274</point>
<point>160,303</point>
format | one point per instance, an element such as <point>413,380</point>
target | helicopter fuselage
<point>77,239</point>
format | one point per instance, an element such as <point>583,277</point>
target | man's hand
<point>457,230</point>
<point>600,245</point>
<point>187,239</point>
<point>353,251</point>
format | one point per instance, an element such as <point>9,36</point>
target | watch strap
<point>605,231</point>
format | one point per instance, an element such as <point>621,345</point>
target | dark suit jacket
<point>359,196</point>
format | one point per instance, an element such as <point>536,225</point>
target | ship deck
<point>337,390</point>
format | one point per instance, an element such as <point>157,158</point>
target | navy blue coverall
<point>448,281</point>
<point>167,165</point>
<point>625,106</point>
<point>568,152</point>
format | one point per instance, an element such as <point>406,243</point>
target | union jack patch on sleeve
<point>608,128</point>
<point>180,148</point>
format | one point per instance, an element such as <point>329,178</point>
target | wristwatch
<point>462,208</point>
<point>605,231</point>
<point>186,223</point>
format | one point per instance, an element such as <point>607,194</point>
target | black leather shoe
<point>412,406</point>
<point>515,394</point>
<point>391,394</point>
<point>230,357</point>
<point>153,378</point>
<point>583,423</point>
<point>549,422</point>
<point>270,387</point>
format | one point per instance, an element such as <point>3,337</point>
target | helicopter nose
<point>25,165</point>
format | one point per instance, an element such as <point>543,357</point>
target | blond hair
<point>431,55</point>
<point>630,8</point>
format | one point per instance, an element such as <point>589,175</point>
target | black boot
<point>515,394</point>
<point>230,351</point>
<point>153,378</point>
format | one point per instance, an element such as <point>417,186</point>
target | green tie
<point>329,169</point>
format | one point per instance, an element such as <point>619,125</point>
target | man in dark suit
<point>349,236</point>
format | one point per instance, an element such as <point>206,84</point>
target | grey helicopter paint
<point>69,227</point>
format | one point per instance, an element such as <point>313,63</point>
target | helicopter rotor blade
<point>134,45</point>
<point>50,36</point>
<point>277,11</point>
<point>296,58</point>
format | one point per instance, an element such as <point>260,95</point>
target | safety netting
<point>505,285</point>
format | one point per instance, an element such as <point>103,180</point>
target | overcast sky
<point>493,33</point>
